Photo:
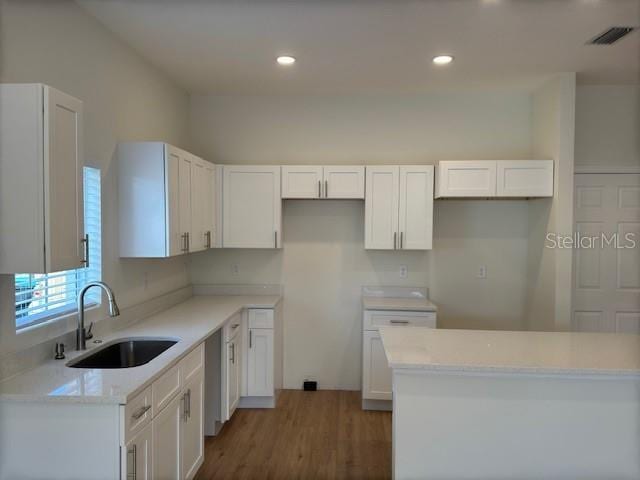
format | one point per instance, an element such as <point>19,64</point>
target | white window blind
<point>39,297</point>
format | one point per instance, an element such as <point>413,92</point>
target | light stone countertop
<point>546,353</point>
<point>191,322</point>
<point>399,304</point>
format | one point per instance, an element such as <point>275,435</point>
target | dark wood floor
<point>310,435</point>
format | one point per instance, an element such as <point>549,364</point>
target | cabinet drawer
<point>373,319</point>
<point>137,413</point>
<point>165,388</point>
<point>260,318</point>
<point>232,327</point>
<point>192,364</point>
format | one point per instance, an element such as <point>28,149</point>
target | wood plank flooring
<point>310,435</point>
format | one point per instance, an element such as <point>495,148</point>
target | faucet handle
<point>87,332</point>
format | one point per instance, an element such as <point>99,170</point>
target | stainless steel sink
<point>124,353</point>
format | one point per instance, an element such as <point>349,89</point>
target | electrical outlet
<point>404,271</point>
<point>235,268</point>
<point>482,272</point>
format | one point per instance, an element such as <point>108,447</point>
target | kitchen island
<point>514,405</point>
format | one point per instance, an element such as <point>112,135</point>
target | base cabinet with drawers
<point>376,374</point>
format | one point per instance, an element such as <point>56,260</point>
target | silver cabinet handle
<point>184,407</point>
<point>85,242</point>
<point>189,403</point>
<point>326,189</point>
<point>207,235</point>
<point>401,235</point>
<point>188,242</point>
<point>395,237</point>
<point>233,353</point>
<point>276,238</point>
<point>399,322</point>
<point>140,412</point>
<point>250,338</point>
<point>133,472</point>
<point>184,242</point>
<point>319,189</point>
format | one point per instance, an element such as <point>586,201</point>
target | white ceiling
<point>360,46</point>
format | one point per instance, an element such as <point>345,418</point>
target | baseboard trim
<point>257,402</point>
<point>382,405</point>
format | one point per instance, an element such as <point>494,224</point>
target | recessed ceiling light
<point>442,59</point>
<point>286,60</point>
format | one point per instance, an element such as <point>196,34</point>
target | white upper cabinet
<point>41,161</point>
<point>476,178</point>
<point>302,182</point>
<point>415,221</point>
<point>344,182</point>
<point>525,178</point>
<point>399,207</point>
<point>381,208</point>
<point>495,178</point>
<point>252,207</point>
<point>338,182</point>
<point>165,197</point>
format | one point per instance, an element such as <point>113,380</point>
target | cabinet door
<point>233,377</point>
<point>302,182</point>
<point>138,456</point>
<point>166,431</point>
<point>251,207</point>
<point>175,239</point>
<point>376,374</point>
<point>63,163</point>
<point>415,221</point>
<point>192,445</point>
<point>260,363</point>
<point>525,178</point>
<point>344,182</point>
<point>210,205</point>
<point>467,178</point>
<point>199,200</point>
<point>381,208</point>
<point>184,194</point>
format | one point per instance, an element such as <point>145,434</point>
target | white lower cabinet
<point>169,445</point>
<point>377,384</point>
<point>376,376</point>
<point>260,362</point>
<point>138,463</point>
<point>231,359</point>
<point>167,427</point>
<point>192,444</point>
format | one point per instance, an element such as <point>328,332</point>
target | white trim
<point>611,170</point>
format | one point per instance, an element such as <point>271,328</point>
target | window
<point>40,297</point>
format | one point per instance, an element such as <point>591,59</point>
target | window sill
<point>62,316</point>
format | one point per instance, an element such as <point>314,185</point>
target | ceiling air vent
<point>611,35</point>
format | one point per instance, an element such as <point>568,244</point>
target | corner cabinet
<point>165,199</point>
<point>41,198</point>
<point>494,178</point>
<point>399,207</point>
<point>251,207</point>
<point>328,182</point>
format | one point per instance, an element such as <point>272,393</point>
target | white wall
<point>57,43</point>
<point>549,283</point>
<point>607,125</point>
<point>323,264</point>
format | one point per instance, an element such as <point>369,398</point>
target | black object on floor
<point>310,386</point>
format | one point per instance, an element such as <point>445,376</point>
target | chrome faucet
<point>114,311</point>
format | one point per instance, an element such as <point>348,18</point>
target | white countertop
<point>400,304</point>
<point>191,322</point>
<point>560,353</point>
